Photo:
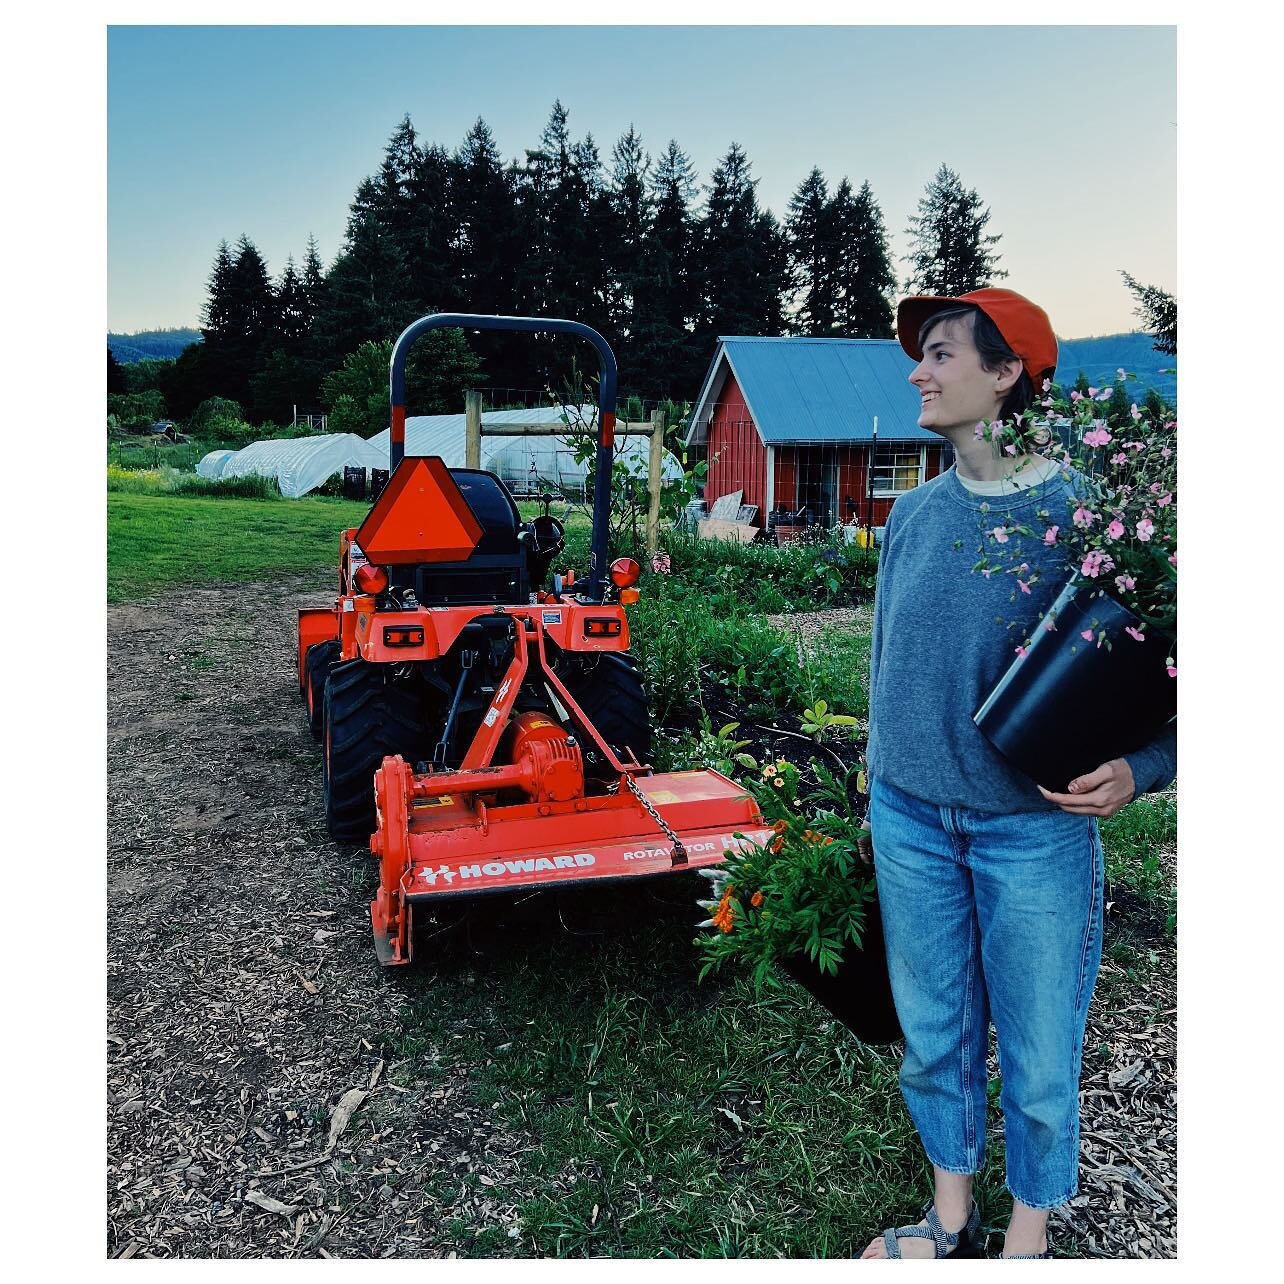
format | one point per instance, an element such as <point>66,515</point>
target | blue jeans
<point>990,916</point>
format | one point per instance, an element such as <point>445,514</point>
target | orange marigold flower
<point>756,899</point>
<point>724,917</point>
<point>780,826</point>
<point>777,843</point>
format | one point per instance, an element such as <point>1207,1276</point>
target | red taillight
<point>370,579</point>
<point>403,635</point>
<point>625,572</point>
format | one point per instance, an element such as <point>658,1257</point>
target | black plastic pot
<point>1068,705</point>
<point>859,994</point>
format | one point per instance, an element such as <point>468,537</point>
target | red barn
<point>794,423</point>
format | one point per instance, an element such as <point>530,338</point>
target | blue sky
<point>1068,133</point>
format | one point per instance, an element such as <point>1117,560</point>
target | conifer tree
<point>666,292</point>
<point>116,380</point>
<point>1157,310</point>
<point>744,269</point>
<point>864,282</point>
<point>629,209</point>
<point>951,253</point>
<point>813,255</point>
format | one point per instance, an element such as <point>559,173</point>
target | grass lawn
<point>157,542</point>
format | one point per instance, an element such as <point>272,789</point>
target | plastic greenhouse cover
<point>299,464</point>
<point>211,465</point>
<point>522,463</point>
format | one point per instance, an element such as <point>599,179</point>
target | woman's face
<point>957,391</point>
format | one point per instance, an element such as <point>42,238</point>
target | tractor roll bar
<point>605,406</point>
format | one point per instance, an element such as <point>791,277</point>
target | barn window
<point>897,469</point>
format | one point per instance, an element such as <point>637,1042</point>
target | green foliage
<point>1135,840</point>
<point>136,410</point>
<point>818,721</point>
<point>207,419</point>
<point>440,368</point>
<point>148,375</point>
<point>805,892</point>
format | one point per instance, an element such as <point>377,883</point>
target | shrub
<point>211,413</point>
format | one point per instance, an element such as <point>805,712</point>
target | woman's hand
<point>865,849</point>
<point>1098,793</point>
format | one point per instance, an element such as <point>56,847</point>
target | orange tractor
<point>484,727</point>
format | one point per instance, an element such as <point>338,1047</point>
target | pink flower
<point>1125,582</point>
<point>1136,445</point>
<point>1047,385</point>
<point>1145,529</point>
<point>1086,635</point>
<point>1105,394</point>
<point>1050,535</point>
<point>1083,518</point>
<point>1023,586</point>
<point>1097,437</point>
<point>1165,500</point>
<point>1020,653</point>
<point>1050,624</point>
<point>1095,563</point>
<point>1092,392</point>
<point>1000,534</point>
<point>1173,559</point>
<point>1165,453</point>
<point>660,563</point>
<point>1122,373</point>
<point>1009,449</point>
<point>979,430</point>
<point>1135,633</point>
<point>1134,412</point>
<point>1115,529</point>
<point>1172,670</point>
<point>1120,458</point>
<point>1077,396</point>
<point>1155,488</point>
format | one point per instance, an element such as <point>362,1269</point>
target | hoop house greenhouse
<point>526,464</point>
<point>299,464</point>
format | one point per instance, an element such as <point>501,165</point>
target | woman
<point>990,886</point>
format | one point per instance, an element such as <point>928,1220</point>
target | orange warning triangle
<point>421,516</point>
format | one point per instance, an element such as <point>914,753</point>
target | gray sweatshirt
<point>944,635</point>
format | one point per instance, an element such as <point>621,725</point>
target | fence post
<point>654,480</point>
<point>472,428</point>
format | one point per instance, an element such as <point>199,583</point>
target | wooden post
<point>655,478</point>
<point>472,428</point>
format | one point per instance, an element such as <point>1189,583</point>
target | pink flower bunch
<point>1119,532</point>
<point>660,563</point>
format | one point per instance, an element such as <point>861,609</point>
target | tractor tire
<point>316,668</point>
<point>366,719</point>
<point>614,701</point>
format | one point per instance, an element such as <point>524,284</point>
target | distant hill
<point>1100,358</point>
<point>147,344</point>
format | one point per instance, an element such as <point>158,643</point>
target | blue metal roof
<point>801,389</point>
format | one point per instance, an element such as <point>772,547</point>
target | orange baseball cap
<point>1024,326</point>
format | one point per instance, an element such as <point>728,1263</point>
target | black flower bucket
<point>1070,704</point>
<point>859,994</point>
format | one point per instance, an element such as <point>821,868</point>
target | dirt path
<point>247,1015</point>
<point>244,999</point>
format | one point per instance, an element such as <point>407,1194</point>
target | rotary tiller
<point>489,727</point>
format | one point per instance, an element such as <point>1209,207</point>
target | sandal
<point>948,1244</point>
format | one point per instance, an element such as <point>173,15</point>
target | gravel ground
<point>253,1106</point>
